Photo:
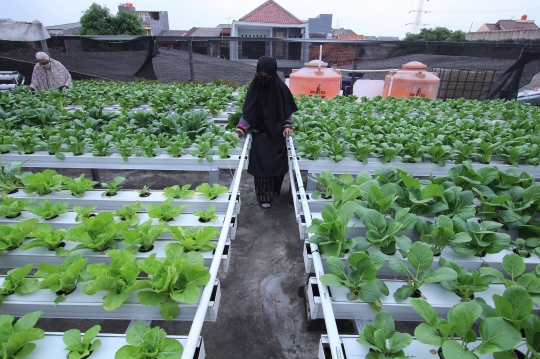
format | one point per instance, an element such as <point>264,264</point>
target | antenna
<point>417,24</point>
<point>228,20</point>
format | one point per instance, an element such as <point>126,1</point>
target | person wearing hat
<point>49,74</point>
<point>267,111</point>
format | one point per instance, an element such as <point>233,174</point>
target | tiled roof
<point>492,27</point>
<point>191,31</point>
<point>516,25</point>
<point>225,32</point>
<point>271,13</point>
<point>351,37</point>
<point>333,54</point>
<point>206,32</point>
<point>173,32</point>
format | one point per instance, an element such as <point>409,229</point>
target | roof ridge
<point>266,3</point>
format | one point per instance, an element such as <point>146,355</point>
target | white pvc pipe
<point>391,83</point>
<point>320,57</point>
<point>200,314</point>
<point>326,303</point>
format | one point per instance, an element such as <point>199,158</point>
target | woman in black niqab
<point>267,110</point>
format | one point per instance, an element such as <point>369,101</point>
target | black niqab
<point>268,106</point>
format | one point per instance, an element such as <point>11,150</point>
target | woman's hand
<point>235,135</point>
<point>287,132</point>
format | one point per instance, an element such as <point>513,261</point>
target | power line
<point>482,11</point>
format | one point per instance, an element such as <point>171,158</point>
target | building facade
<point>154,22</point>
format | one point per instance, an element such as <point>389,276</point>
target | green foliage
<point>211,192</point>
<point>176,278</point>
<point>467,283</point>
<point>11,207</point>
<point>114,278</point>
<point>361,282</point>
<point>165,211</point>
<point>194,238</point>
<point>16,339</point>
<point>79,185</point>
<point>98,20</point>
<point>12,236</point>
<point>46,237</point>
<point>47,210</point>
<point>15,282</point>
<point>97,233</point>
<point>42,183</point>
<point>83,212</point>
<point>382,338</point>
<point>420,258</point>
<point>10,176</point>
<point>129,214</point>
<point>81,347</point>
<point>63,279</point>
<point>114,186</point>
<point>437,34</point>
<point>145,235</point>
<point>208,215</point>
<point>178,192</point>
<point>144,342</point>
<point>440,234</point>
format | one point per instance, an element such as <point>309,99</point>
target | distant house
<point>269,20</point>
<point>64,29</point>
<point>153,21</point>
<point>507,30</point>
<point>509,25</point>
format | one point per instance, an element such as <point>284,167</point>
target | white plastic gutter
<point>200,314</point>
<point>326,304</point>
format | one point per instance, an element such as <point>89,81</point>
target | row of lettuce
<point>18,337</point>
<point>410,136</point>
<point>142,133</point>
<point>470,211</point>
<point>177,97</point>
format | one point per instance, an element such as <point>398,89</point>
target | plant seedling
<point>97,233</point>
<point>78,185</point>
<point>144,192</point>
<point>165,211</point>
<point>15,282</point>
<point>12,207</point>
<point>11,237</point>
<point>145,235</point>
<point>211,192</point>
<point>114,187</point>
<point>16,340</point>
<point>383,339</point>
<point>83,212</point>
<point>206,216</point>
<point>178,192</point>
<point>81,347</point>
<point>46,237</point>
<point>467,283</point>
<point>42,182</point>
<point>195,238</point>
<point>11,176</point>
<point>48,210</point>
<point>129,214</point>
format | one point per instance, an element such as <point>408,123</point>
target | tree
<point>437,34</point>
<point>98,20</point>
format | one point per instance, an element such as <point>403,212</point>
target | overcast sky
<point>375,18</point>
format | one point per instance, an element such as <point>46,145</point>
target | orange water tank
<point>412,80</point>
<point>310,81</point>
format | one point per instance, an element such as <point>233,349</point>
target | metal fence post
<point>190,50</point>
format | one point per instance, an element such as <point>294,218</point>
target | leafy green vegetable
<point>467,283</point>
<point>81,347</point>
<point>113,187</point>
<point>420,258</point>
<point>114,278</point>
<point>16,339</point>
<point>11,176</point>
<point>144,192</point>
<point>129,214</point>
<point>211,192</point>
<point>46,237</point>
<point>165,211</point>
<point>382,338</point>
<point>78,185</point>
<point>144,342</point>
<point>440,234</point>
<point>11,207</point>
<point>178,192</point>
<point>47,210</point>
<point>11,237</point>
<point>83,212</point>
<point>484,238</point>
<point>361,282</point>
<point>97,233</point>
<point>195,238</point>
<point>208,215</point>
<point>173,279</point>
<point>42,182</point>
<point>145,235</point>
<point>63,279</point>
<point>16,283</point>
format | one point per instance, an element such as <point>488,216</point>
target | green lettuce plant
<point>460,203</point>
<point>484,238</point>
<point>440,234</point>
<point>178,192</point>
<point>81,346</point>
<point>145,235</point>
<point>211,192</point>
<point>11,176</point>
<point>113,187</point>
<point>165,211</point>
<point>114,278</point>
<point>359,278</point>
<point>129,214</point>
<point>97,233</point>
<point>379,198</point>
<point>83,212</point>
<point>420,258</point>
<point>330,232</point>
<point>42,183</point>
<point>47,210</point>
<point>144,342</point>
<point>46,237</point>
<point>12,236</point>
<point>382,338</point>
<point>12,207</point>
<point>176,278</point>
<point>203,151</point>
<point>15,282</point>
<point>17,336</point>
<point>383,232</point>
<point>195,238</point>
<point>77,186</point>
<point>63,279</point>
<point>208,215</point>
<point>467,283</point>
<point>144,192</point>
<point>496,333</point>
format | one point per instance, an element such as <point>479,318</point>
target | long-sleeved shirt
<point>243,125</point>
